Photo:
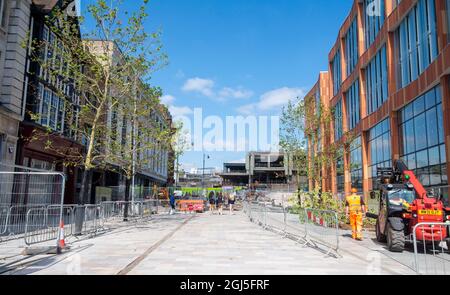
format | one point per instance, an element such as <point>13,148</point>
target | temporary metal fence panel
<point>275,218</point>
<point>44,224</point>
<point>431,257</point>
<point>25,192</point>
<point>147,209</point>
<point>4,214</point>
<point>295,223</point>
<point>110,211</point>
<point>315,227</point>
<point>257,213</point>
<point>323,228</point>
<point>16,221</point>
<point>92,221</point>
<point>163,207</point>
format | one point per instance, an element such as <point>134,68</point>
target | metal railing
<point>431,248</point>
<point>37,224</point>
<point>312,227</point>
<point>31,201</point>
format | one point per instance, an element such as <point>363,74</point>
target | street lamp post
<point>203,170</point>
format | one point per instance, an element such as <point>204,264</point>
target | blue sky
<point>241,57</point>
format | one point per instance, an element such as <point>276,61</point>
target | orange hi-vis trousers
<point>356,221</point>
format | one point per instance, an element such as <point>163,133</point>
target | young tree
<point>180,144</point>
<point>292,138</point>
<point>305,126</point>
<point>109,68</point>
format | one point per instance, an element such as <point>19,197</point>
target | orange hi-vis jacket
<point>354,202</point>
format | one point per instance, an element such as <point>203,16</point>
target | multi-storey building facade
<point>262,168</point>
<point>44,95</point>
<point>152,163</point>
<point>33,98</point>
<point>319,96</point>
<point>14,23</point>
<point>389,86</point>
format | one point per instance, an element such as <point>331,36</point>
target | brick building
<point>388,83</point>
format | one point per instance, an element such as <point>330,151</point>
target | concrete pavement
<point>206,244</point>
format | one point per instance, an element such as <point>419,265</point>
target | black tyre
<point>381,237</point>
<point>395,239</point>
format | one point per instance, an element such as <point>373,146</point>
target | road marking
<point>144,255</point>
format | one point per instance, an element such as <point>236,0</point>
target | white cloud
<point>274,99</point>
<point>180,111</point>
<point>167,100</point>
<point>199,85</point>
<point>207,88</point>
<point>247,109</point>
<point>228,92</point>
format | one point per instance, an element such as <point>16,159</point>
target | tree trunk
<point>299,190</point>
<point>84,195</point>
<point>127,199</point>
<point>82,200</point>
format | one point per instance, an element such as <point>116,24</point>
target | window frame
<point>3,14</point>
<point>410,152</point>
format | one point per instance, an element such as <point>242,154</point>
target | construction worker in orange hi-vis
<point>355,207</point>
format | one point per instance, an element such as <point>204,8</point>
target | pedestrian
<point>212,202</point>
<point>354,209</point>
<point>219,203</point>
<point>231,201</point>
<point>172,204</point>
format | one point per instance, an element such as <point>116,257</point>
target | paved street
<point>206,244</point>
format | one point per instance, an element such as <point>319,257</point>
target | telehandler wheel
<point>380,236</point>
<point>395,239</point>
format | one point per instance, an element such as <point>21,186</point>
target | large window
<point>448,19</point>
<point>374,16</point>
<point>337,72</point>
<point>50,109</point>
<point>353,105</point>
<point>379,147</point>
<point>422,137</point>
<point>376,81</point>
<point>417,42</point>
<point>356,166</point>
<point>351,47</point>
<point>338,126</point>
<point>318,110</point>
<point>340,175</point>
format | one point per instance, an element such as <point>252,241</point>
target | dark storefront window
<point>422,138</point>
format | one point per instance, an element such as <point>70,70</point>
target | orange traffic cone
<point>62,242</point>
